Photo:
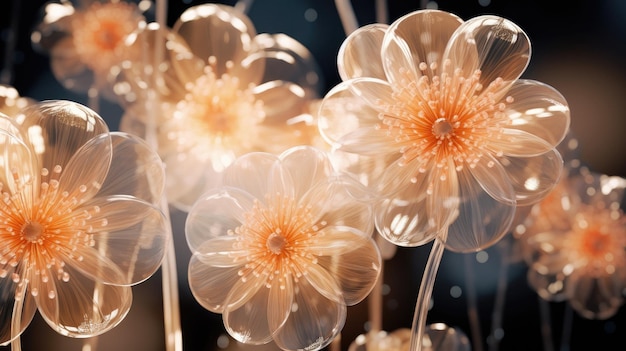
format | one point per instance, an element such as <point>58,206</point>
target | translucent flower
<point>87,39</point>
<point>11,102</point>
<point>453,138</point>
<point>224,91</point>
<point>576,245</point>
<point>438,337</point>
<point>282,248</point>
<point>77,224</point>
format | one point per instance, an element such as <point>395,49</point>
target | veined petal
<point>211,285</point>
<point>259,174</point>
<point>595,297</point>
<point>130,232</point>
<point>19,170</point>
<point>314,320</point>
<point>286,59</point>
<point>419,37</point>
<point>405,223</point>
<point>222,252</point>
<point>375,92</point>
<point>533,177</point>
<point>57,129</point>
<point>493,179</point>
<point>215,214</point>
<point>482,220</point>
<point>356,266</point>
<point>249,323</point>
<point>82,178</point>
<point>82,307</point>
<point>360,54</point>
<point>283,103</point>
<point>494,45</point>
<point>280,302</point>
<point>307,166</point>
<point>219,31</point>
<point>137,170</point>
<point>518,143</point>
<point>342,112</point>
<point>188,177</point>
<point>539,109</point>
<point>8,305</point>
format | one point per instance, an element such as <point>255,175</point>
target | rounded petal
<point>249,323</point>
<point>314,320</point>
<point>287,60</point>
<point>25,307</point>
<point>68,68</point>
<point>533,177</point>
<point>222,252</point>
<point>210,285</point>
<point>494,45</point>
<point>55,24</point>
<point>342,112</point>
<point>353,259</point>
<point>595,297</point>
<point>519,143</point>
<point>420,36</point>
<point>136,170</point>
<point>360,54</point>
<point>485,211</point>
<point>131,233</point>
<point>215,214</point>
<point>307,166</point>
<point>81,307</point>
<point>221,32</point>
<point>57,129</point>
<point>19,164</point>
<point>284,103</point>
<point>540,110</point>
<point>259,174</point>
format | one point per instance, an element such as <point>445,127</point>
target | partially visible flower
<point>282,248</point>
<point>86,40</point>
<point>575,245</point>
<point>437,337</point>
<point>453,139</point>
<point>219,91</point>
<point>78,226</point>
<point>11,102</point>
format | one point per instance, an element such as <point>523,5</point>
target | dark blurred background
<point>578,48</point>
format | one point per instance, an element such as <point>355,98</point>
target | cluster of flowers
<point>431,134</point>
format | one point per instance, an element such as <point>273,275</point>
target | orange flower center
<point>277,235</point>
<point>217,114</point>
<point>445,117</point>
<point>39,233</point>
<point>99,32</point>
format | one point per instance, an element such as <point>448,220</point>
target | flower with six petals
<point>281,248</point>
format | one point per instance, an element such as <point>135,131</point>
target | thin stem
<point>9,50</point>
<point>568,320</point>
<point>16,319</point>
<point>472,304</point>
<point>90,344</point>
<point>335,345</point>
<point>347,16</point>
<point>375,304</point>
<point>498,305</point>
<point>93,95</point>
<point>426,291</point>
<point>382,15</point>
<point>243,5</point>
<point>546,325</point>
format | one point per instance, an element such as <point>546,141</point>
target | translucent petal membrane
<point>11,102</point>
<point>314,320</point>
<point>539,110</point>
<point>209,284</point>
<point>136,170</point>
<point>287,60</point>
<point>596,297</point>
<point>55,24</point>
<point>495,46</point>
<point>129,232</point>
<point>259,174</point>
<point>9,307</point>
<point>546,274</point>
<point>56,130</point>
<point>285,105</point>
<point>418,37</point>
<point>67,67</point>
<point>307,166</point>
<point>214,214</point>
<point>81,307</point>
<point>249,323</point>
<point>18,164</point>
<point>360,54</point>
<point>156,60</point>
<point>440,337</point>
<point>222,32</point>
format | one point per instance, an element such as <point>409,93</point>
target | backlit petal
<point>360,54</point>
<point>221,251</point>
<point>595,297</point>
<point>259,174</point>
<point>211,285</point>
<point>8,291</point>
<point>249,322</point>
<point>307,166</point>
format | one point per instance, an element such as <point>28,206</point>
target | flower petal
<point>222,251</point>
<point>82,307</point>
<point>485,212</point>
<point>249,323</point>
<point>314,320</point>
<point>494,45</point>
<point>420,36</point>
<point>8,304</point>
<point>360,56</point>
<point>259,174</point>
<point>595,297</point>
<point>68,68</point>
<point>131,233</point>
<point>136,170</point>
<point>539,109</point>
<point>353,260</point>
<point>307,166</point>
<point>222,32</point>
<point>55,24</point>
<point>210,285</point>
<point>214,214</point>
<point>284,104</point>
<point>533,177</point>
<point>19,164</point>
<point>518,143</point>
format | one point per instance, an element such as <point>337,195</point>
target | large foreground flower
<point>223,91</point>
<point>282,248</point>
<point>77,224</point>
<point>575,245</point>
<point>453,138</point>
<point>87,39</point>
